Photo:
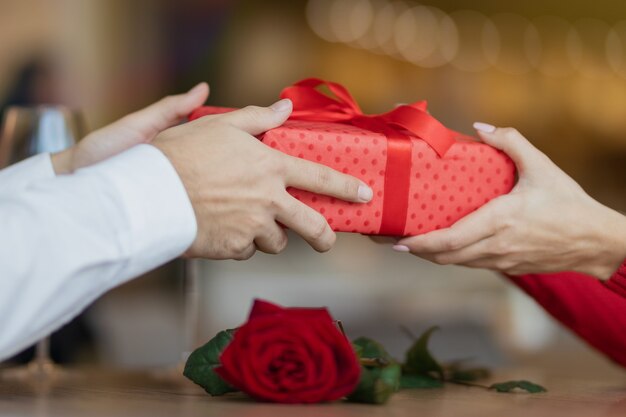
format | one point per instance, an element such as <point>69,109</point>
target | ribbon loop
<point>308,87</point>
<point>311,104</point>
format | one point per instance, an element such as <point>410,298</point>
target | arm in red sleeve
<point>593,309</point>
<point>617,283</point>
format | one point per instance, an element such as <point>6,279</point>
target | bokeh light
<point>587,43</point>
<point>479,42</point>
<point>426,36</point>
<point>515,32</point>
<point>559,50</point>
<point>384,26</point>
<point>350,19</point>
<point>615,44</point>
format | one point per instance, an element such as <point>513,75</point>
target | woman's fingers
<point>470,229</point>
<point>485,248</point>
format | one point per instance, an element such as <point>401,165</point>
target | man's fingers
<point>306,222</point>
<point>511,142</point>
<point>256,120</point>
<point>166,112</point>
<point>320,179</point>
<point>273,240</point>
<point>470,229</point>
<point>246,253</point>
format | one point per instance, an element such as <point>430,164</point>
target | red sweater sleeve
<point>593,309</point>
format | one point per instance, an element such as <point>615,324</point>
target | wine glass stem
<point>42,354</point>
<point>192,306</point>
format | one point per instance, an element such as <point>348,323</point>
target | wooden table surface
<point>97,393</point>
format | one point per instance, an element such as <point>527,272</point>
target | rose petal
<point>291,355</point>
<point>305,313</point>
<point>263,308</point>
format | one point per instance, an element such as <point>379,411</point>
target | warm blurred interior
<point>555,70</point>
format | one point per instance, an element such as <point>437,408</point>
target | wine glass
<point>192,307</point>
<point>27,131</point>
<point>188,275</point>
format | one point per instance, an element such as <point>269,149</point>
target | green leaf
<point>201,364</point>
<point>511,386</point>
<point>380,373</point>
<point>419,359</point>
<point>369,348</point>
<point>358,350</point>
<point>419,381</point>
<point>377,385</point>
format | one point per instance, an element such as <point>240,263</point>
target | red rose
<point>290,355</point>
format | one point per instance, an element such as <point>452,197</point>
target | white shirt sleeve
<point>66,240</point>
<point>30,170</point>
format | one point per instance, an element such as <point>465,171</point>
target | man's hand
<point>547,223</point>
<point>237,185</point>
<point>133,129</point>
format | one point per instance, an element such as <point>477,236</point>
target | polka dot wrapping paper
<point>442,190</point>
<point>444,184</point>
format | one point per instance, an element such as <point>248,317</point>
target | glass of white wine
<point>27,131</point>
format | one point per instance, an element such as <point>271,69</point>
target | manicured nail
<point>365,193</point>
<point>401,248</point>
<point>281,105</point>
<point>197,88</point>
<point>484,127</point>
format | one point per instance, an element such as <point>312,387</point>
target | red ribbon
<point>312,105</point>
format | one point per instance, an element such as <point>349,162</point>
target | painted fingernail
<point>401,248</point>
<point>365,193</point>
<point>282,105</point>
<point>484,127</point>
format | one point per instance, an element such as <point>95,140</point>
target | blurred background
<point>555,70</point>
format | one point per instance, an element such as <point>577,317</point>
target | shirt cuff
<point>20,175</point>
<point>159,216</point>
<point>617,283</point>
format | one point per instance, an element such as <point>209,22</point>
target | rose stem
<point>469,384</point>
<point>340,325</point>
<point>374,362</point>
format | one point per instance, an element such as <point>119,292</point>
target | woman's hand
<point>136,128</point>
<point>546,224</point>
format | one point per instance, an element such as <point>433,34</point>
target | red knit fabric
<point>593,309</point>
<point>617,283</point>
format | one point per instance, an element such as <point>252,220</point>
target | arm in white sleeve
<point>17,176</point>
<point>65,241</point>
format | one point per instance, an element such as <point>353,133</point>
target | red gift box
<point>424,176</point>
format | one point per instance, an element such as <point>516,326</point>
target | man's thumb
<point>256,120</point>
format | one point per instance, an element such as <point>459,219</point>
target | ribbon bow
<point>312,105</point>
